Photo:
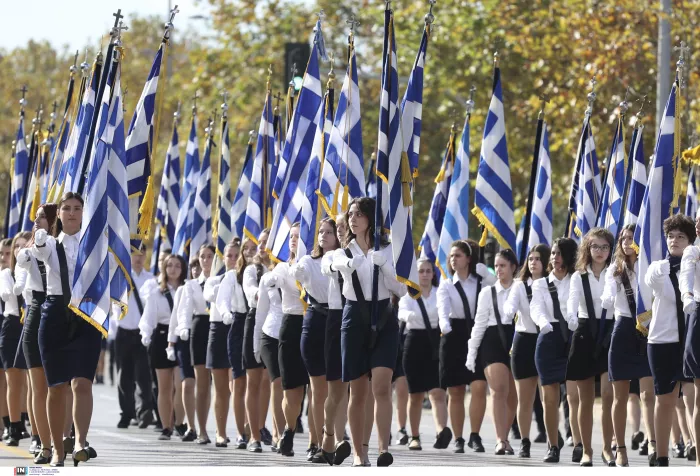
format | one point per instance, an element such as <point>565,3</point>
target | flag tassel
<point>406,180</point>
<point>146,210</point>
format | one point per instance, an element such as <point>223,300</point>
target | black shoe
<point>242,443</point>
<point>691,453</point>
<point>123,423</point>
<point>68,445</point>
<point>223,443</point>
<point>189,436</point>
<point>286,443</point>
<point>15,434</point>
<point>165,434</point>
<point>323,457</point>
<point>475,443</point>
<point>652,459</point>
<point>524,451</point>
<point>91,451</point>
<point>662,461</point>
<point>552,455</point>
<point>402,437</point>
<point>606,461</point>
<point>560,440</point>
<point>254,447</point>
<point>644,448</point>
<point>679,450</point>
<point>577,453</point>
<point>442,440</point>
<point>5,433</point>
<point>342,451</point>
<point>147,421</point>
<point>385,459</point>
<point>99,380</point>
<point>459,445</point>
<point>347,438</point>
<point>181,430</point>
<point>23,430</point>
<point>43,456</point>
<point>265,436</point>
<point>310,452</point>
<point>273,446</point>
<point>414,444</point>
<point>300,428</point>
<point>540,438</point>
<point>637,438</point>
<point>35,445</point>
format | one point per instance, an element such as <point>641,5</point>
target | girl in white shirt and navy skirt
<point>547,309</point>
<point>457,305</point>
<point>232,305</point>
<point>154,325</point>
<point>217,346</point>
<point>491,340</point>
<point>522,359</point>
<point>666,339</point>
<point>590,342</point>
<point>421,360</point>
<point>627,358</point>
<point>364,349</point>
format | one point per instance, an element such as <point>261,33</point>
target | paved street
<point>135,447</point>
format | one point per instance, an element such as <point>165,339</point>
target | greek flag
<point>307,123</point>
<point>371,187</point>
<point>201,218</point>
<point>20,170</point>
<point>614,189</point>
<point>57,157</point>
<point>167,209</point>
<point>183,229</point>
<point>588,194</point>
<point>493,199</point>
<point>343,170</point>
<point>32,194</point>
<point>221,228</point>
<point>660,201</point>
<point>139,147</point>
<point>46,150</point>
<point>430,241</point>
<point>455,225</point>
<point>99,277</point>
<point>541,228</point>
<point>638,181</point>
<point>240,201</point>
<point>691,198</point>
<point>412,105</point>
<point>256,214</point>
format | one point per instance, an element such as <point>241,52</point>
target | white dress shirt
<point>576,304</point>
<point>689,277</point>
<point>542,307</point>
<point>663,328</point>
<point>519,303</point>
<point>450,304</point>
<point>614,296</point>
<point>230,298</point>
<point>268,315</point>
<point>308,272</point>
<point>250,283</point>
<point>7,294</point>
<point>156,311</point>
<point>192,303</point>
<point>280,278</point>
<point>47,254</point>
<point>365,272</point>
<point>485,315</point>
<point>173,332</point>
<point>410,313</point>
<point>210,292</point>
<point>335,300</point>
<point>31,280</point>
<point>133,316</point>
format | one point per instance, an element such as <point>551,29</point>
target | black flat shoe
<point>577,453</point>
<point>189,436</point>
<point>342,451</point>
<point>311,452</point>
<point>385,459</point>
<point>255,447</point>
<point>552,455</point>
<point>475,443</point>
<point>637,439</point>
<point>221,444</point>
<point>459,445</point>
<point>644,448</point>
<point>500,449</point>
<point>509,449</point>
<point>323,457</point>
<point>524,451</point>
<point>286,443</point>
<point>442,441</point>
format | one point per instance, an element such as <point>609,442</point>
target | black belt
<point>129,331</point>
<point>38,295</point>
<point>201,316</point>
<point>321,307</point>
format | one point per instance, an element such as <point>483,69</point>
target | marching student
<point>525,340</point>
<point>627,358</point>
<point>10,335</point>
<point>550,295</point>
<point>217,347</point>
<point>153,326</point>
<point>70,346</point>
<point>666,337</point>
<point>259,386</point>
<point>5,261</point>
<point>421,360</point>
<point>307,271</point>
<point>193,325</point>
<point>334,449</point>
<point>491,340</point>
<point>232,305</point>
<point>364,349</point>
<point>457,304</point>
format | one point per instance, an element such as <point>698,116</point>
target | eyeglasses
<point>600,248</point>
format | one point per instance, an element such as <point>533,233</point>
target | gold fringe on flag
<point>406,180</point>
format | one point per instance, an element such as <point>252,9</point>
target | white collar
<point>455,278</point>
<point>554,279</point>
<point>590,271</point>
<point>500,288</point>
<point>64,236</point>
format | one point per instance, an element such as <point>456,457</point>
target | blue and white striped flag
<point>240,200</point>
<point>493,199</point>
<point>32,194</point>
<point>691,198</point>
<point>57,156</point>
<point>660,201</point>
<point>201,218</point>
<point>455,226</point>
<point>20,170</point>
<point>638,182</point>
<point>168,209</point>
<point>541,225</point>
<point>46,151</point>
<point>344,169</point>
<point>307,120</point>
<point>371,186</point>
<point>183,229</point>
<point>258,214</point>
<point>588,194</point>
<point>412,105</point>
<point>221,227</point>
<point>614,189</point>
<point>520,235</point>
<point>430,241</point>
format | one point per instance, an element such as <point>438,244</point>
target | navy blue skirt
<point>249,362</point>
<point>666,362</point>
<point>30,336</point>
<point>627,358</point>
<point>182,351</point>
<point>522,358</point>
<point>331,351</point>
<point>583,361</point>
<point>199,339</point>
<point>10,333</point>
<point>217,346</point>
<point>399,370</point>
<point>691,353</point>
<point>65,356</point>
<point>313,336</point>
<point>355,333</point>
<point>292,368</point>
<point>551,356</point>
<point>235,345</point>
<point>269,354</point>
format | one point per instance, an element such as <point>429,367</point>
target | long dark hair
<point>164,274</point>
<point>465,247</point>
<point>318,251</point>
<point>367,207</point>
<point>567,249</point>
<point>242,262</point>
<point>425,259</point>
<point>544,252</point>
<point>621,259</point>
<point>584,252</point>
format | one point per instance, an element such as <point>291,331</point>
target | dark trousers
<point>133,373</point>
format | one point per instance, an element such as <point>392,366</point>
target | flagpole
<point>533,176</point>
<point>630,162</point>
<point>9,190</point>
